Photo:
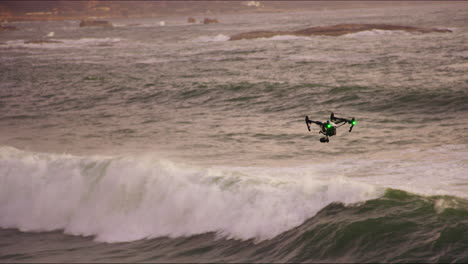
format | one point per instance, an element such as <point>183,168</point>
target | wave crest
<point>377,32</point>
<point>127,198</point>
<point>217,38</point>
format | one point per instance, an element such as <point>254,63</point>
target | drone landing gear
<point>307,121</point>
<point>324,140</point>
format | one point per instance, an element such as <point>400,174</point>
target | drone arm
<point>342,120</point>
<point>316,122</point>
<point>308,121</point>
<point>339,120</point>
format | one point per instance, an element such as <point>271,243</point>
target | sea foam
<point>377,32</point>
<point>120,199</point>
<point>217,38</point>
<point>64,43</point>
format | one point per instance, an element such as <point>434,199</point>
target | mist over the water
<point>183,146</point>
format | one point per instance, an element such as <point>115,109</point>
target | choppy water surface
<point>188,147</point>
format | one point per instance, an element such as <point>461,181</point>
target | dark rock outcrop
<point>210,21</point>
<point>41,41</point>
<point>7,28</point>
<point>95,23</point>
<point>336,30</point>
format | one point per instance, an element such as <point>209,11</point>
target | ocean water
<point>150,143</point>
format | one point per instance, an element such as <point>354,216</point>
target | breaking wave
<point>62,43</point>
<point>120,199</point>
<point>377,32</point>
<point>217,38</point>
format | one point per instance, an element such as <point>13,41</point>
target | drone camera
<point>324,140</point>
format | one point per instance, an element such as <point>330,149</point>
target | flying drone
<point>328,128</point>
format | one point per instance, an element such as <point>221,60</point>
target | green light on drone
<point>329,125</point>
<point>353,122</point>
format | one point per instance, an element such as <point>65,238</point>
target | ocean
<point>166,142</point>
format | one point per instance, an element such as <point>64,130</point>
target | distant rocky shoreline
<point>95,23</point>
<point>336,30</point>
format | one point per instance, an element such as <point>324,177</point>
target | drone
<point>328,128</point>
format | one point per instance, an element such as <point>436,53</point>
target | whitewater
<point>166,142</point>
<point>96,196</point>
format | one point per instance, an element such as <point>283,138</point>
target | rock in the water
<point>191,20</point>
<point>259,34</point>
<point>210,21</point>
<point>95,23</point>
<point>336,30</point>
<point>342,29</point>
